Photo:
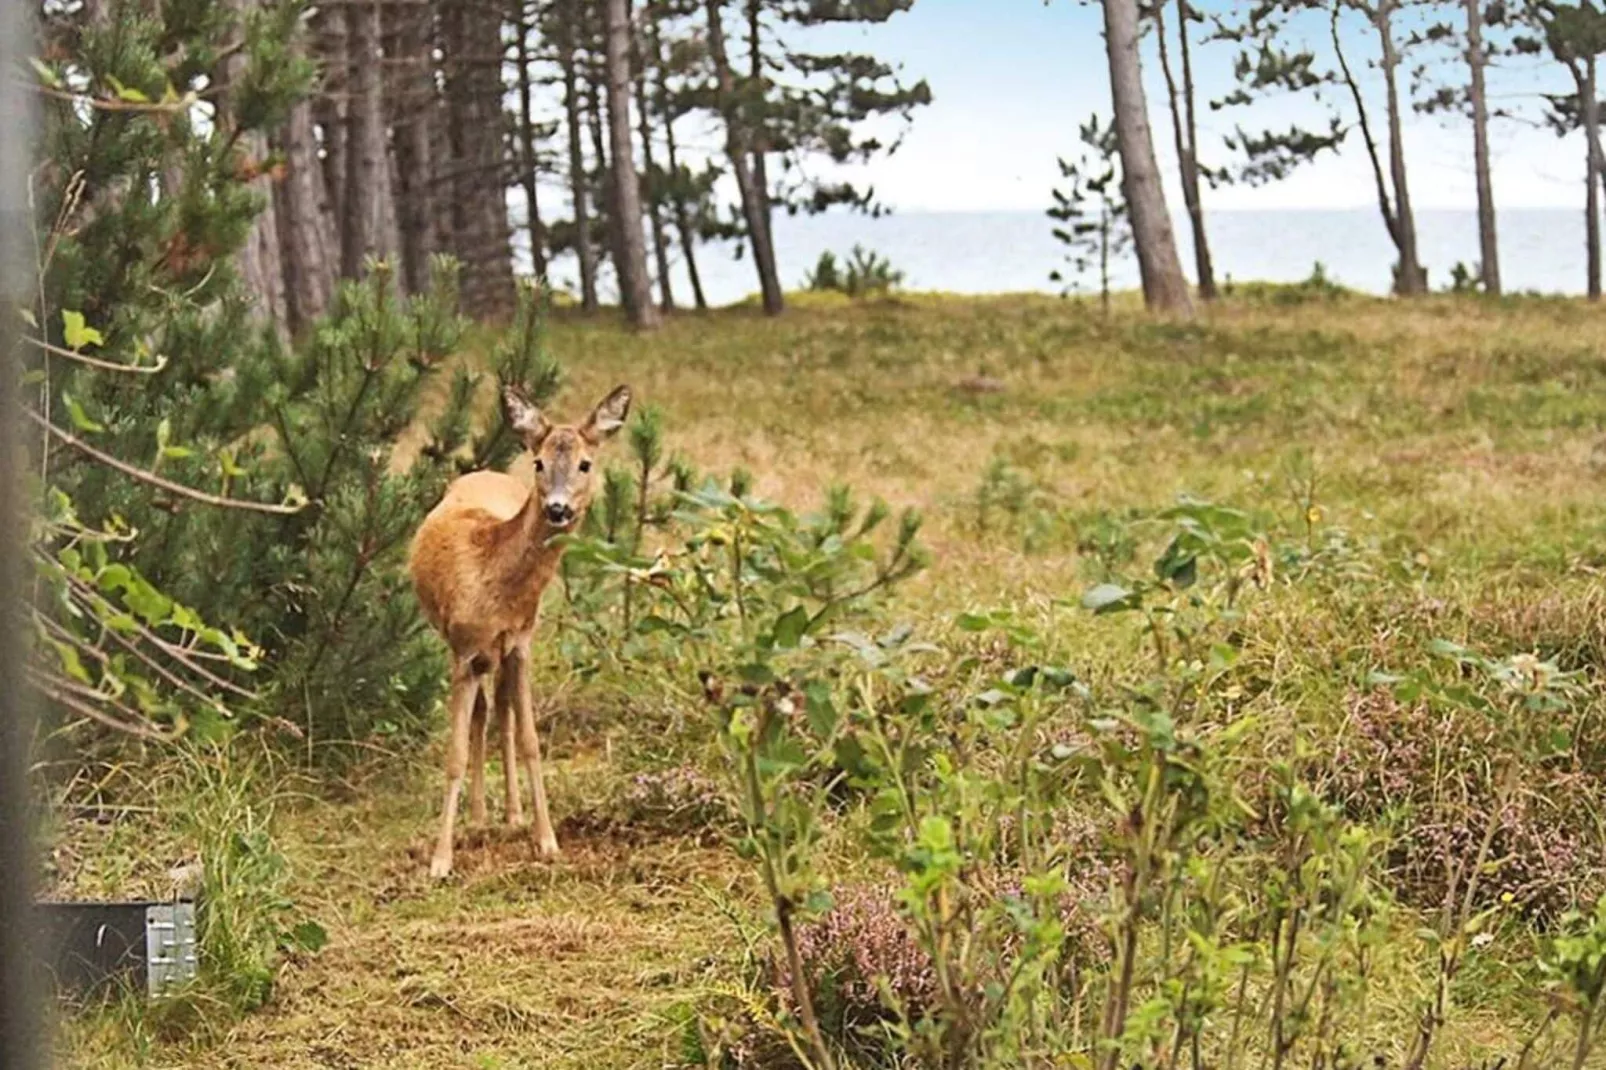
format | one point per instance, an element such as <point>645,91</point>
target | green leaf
<point>81,419</point>
<point>821,710</point>
<point>757,672</point>
<point>790,627</point>
<point>70,662</point>
<point>46,75</point>
<point>1109,598</point>
<point>227,464</point>
<point>77,333</point>
<point>309,936</point>
<point>114,578</point>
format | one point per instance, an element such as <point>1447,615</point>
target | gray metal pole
<point>20,1031</point>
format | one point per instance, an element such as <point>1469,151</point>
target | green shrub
<point>866,274</point>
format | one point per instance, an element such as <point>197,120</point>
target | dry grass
<point>1470,434</point>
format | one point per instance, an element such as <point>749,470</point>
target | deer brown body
<point>480,563</point>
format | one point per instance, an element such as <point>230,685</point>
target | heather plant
<point>1519,704</point>
<point>679,801</point>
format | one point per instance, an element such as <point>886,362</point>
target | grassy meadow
<point>1425,482</point>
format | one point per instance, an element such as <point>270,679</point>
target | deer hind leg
<point>476,755</point>
<point>466,684</point>
<point>516,666</point>
<point>514,802</point>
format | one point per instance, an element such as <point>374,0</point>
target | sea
<point>1541,250</point>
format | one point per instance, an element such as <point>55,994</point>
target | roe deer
<point>480,562</point>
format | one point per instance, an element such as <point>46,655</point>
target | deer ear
<point>608,417</point>
<point>522,414</point>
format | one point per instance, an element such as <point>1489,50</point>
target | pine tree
<point>1091,213</point>
<point>792,106</point>
<point>1183,100</point>
<point>1474,35</point>
<point>1575,36</point>
<point>142,342</point>
<point>1266,66</point>
<point>223,518</point>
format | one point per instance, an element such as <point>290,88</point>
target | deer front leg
<point>514,802</point>
<point>476,756</point>
<point>459,711</point>
<point>546,842</point>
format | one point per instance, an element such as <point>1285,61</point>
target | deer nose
<point>559,513</point>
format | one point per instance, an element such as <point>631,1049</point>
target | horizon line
<point>1286,209</point>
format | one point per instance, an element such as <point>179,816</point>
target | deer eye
<point>585,466</point>
<point>539,467</point>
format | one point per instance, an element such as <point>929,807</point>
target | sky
<point>1013,79</point>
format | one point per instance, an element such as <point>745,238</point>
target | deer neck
<point>522,559</point>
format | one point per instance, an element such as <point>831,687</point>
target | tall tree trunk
<point>739,151</point>
<point>1488,235</point>
<point>527,153</point>
<point>260,260</point>
<point>1164,287</point>
<point>330,113</point>
<point>472,32</point>
<point>654,192</point>
<point>579,186</point>
<point>309,245</point>
<point>1380,182</point>
<point>1412,278</point>
<point>363,203</point>
<point>416,119</point>
<point>635,288</point>
<point>757,131</point>
<point>389,17</point>
<point>596,86</point>
<point>1185,133</point>
<point>688,235</point>
<point>1589,97</point>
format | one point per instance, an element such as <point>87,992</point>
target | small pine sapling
<point>1091,213</point>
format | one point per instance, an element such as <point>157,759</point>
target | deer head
<point>565,456</point>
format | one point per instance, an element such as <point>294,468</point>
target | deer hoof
<point>546,848</point>
<point>440,867</point>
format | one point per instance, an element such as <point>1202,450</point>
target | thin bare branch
<point>93,362</point>
<point>116,103</point>
<point>99,655</point>
<point>64,692</point>
<point>155,480</point>
<point>186,657</point>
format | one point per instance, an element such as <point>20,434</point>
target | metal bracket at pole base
<point>94,949</point>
